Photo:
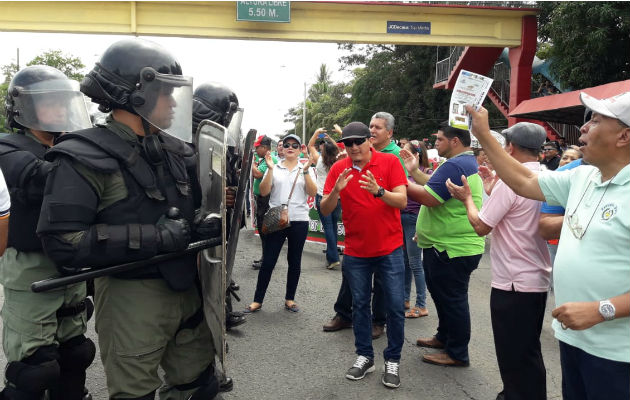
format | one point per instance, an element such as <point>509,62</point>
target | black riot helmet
<point>215,102</point>
<point>143,78</point>
<point>42,98</point>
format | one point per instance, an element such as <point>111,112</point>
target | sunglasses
<point>294,145</point>
<point>546,150</point>
<point>351,142</point>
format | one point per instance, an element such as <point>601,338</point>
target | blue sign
<point>410,28</point>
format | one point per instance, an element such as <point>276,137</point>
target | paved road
<point>282,355</point>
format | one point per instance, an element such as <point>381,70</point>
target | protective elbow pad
<point>35,373</point>
<point>104,245</point>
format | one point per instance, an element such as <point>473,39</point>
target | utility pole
<point>304,116</point>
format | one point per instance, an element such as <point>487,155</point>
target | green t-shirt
<point>446,226</point>
<point>261,164</point>
<point>392,148</point>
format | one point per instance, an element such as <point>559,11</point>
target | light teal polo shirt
<point>597,266</point>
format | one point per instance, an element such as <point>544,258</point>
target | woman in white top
<point>324,161</point>
<point>277,183</point>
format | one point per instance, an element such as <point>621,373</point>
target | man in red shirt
<point>372,188</point>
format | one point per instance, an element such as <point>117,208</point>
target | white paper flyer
<point>470,88</point>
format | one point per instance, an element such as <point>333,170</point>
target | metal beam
<point>355,22</point>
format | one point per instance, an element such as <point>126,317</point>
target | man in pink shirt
<point>521,270</point>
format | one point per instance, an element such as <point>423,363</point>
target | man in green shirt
<point>259,166</point>
<point>451,248</point>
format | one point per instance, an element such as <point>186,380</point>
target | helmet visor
<point>165,101</point>
<point>51,106</point>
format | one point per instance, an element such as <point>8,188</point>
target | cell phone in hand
<point>321,136</point>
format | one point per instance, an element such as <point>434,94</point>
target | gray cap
<point>526,134</point>
<point>292,136</point>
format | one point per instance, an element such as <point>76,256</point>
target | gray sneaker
<point>390,377</point>
<point>361,367</point>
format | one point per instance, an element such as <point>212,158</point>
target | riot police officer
<point>43,333</point>
<point>123,191</point>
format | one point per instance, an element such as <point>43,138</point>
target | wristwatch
<point>380,192</point>
<point>607,310</point>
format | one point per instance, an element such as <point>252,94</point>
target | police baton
<point>54,283</point>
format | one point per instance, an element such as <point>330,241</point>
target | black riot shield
<point>235,217</point>
<point>211,148</point>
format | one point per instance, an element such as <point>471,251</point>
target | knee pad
<point>35,373</point>
<point>77,353</point>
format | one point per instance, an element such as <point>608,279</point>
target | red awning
<point>566,108</point>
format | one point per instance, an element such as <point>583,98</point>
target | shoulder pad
<point>18,141</point>
<point>84,152</point>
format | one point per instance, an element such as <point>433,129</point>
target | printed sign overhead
<point>409,28</point>
<point>263,11</point>
<point>470,88</point>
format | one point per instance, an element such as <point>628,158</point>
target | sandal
<point>293,307</point>
<point>416,312</point>
<point>251,309</point>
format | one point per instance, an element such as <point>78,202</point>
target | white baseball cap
<point>617,107</point>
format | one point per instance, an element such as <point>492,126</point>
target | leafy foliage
<point>587,41</point>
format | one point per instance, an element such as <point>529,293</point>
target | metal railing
<point>500,73</point>
<point>570,133</point>
<point>443,68</point>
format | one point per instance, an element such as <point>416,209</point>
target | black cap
<point>355,130</point>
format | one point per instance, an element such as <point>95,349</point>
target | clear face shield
<point>165,101</point>
<point>52,106</point>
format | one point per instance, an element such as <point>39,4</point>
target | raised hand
<point>343,179</point>
<point>479,119</point>
<point>488,177</point>
<point>412,162</point>
<point>269,160</point>
<point>368,182</point>
<point>460,193</point>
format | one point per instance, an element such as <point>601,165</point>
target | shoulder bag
<point>277,218</point>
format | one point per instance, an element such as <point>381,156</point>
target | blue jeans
<point>413,260</point>
<point>447,281</point>
<point>343,305</point>
<point>296,236</point>
<point>358,271</point>
<point>329,222</point>
<point>588,377</point>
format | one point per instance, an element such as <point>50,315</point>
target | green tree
<point>587,42</point>
<point>327,103</point>
<point>71,66</point>
<point>68,64</point>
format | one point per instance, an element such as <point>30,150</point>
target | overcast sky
<point>268,77</point>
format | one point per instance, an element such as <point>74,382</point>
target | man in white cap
<point>521,269</point>
<point>591,269</point>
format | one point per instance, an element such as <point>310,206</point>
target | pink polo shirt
<point>518,254</point>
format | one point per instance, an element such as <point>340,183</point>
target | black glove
<point>173,232</point>
<point>206,226</point>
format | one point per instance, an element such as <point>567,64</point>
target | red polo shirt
<point>373,228</point>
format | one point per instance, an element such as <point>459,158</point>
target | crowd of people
<point>431,228</point>
<point>76,195</point>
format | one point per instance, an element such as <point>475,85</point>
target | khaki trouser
<point>30,320</point>
<point>138,322</point>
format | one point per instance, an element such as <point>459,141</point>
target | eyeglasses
<point>294,145</point>
<point>546,150</point>
<point>352,142</point>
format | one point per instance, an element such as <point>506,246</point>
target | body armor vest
<point>152,189</point>
<point>20,157</point>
